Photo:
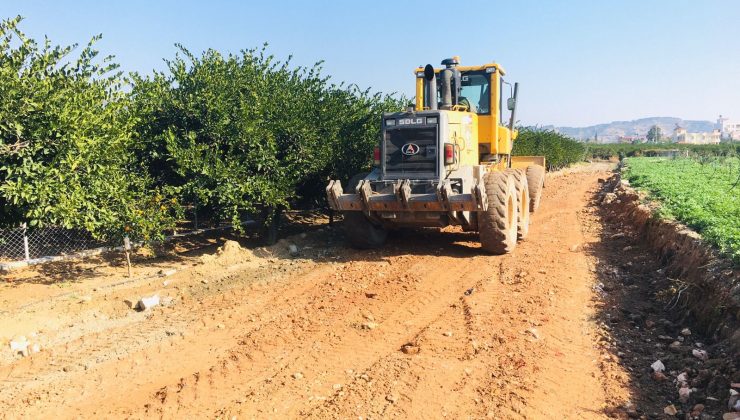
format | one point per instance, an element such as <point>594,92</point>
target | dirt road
<point>426,327</point>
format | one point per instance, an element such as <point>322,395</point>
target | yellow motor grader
<point>447,161</point>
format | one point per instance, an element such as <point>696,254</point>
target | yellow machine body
<point>446,161</point>
<point>493,137</point>
<point>433,157</point>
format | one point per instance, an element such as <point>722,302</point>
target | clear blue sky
<point>578,62</point>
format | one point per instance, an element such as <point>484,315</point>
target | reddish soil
<point>426,327</point>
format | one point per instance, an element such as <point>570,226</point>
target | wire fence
<point>26,244</point>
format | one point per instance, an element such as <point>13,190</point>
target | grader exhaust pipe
<point>430,96</point>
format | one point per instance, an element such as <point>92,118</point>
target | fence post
<point>195,215</point>
<point>25,243</point>
<point>127,250</point>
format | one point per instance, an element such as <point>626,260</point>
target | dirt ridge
<point>711,283</point>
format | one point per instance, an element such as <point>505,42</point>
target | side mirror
<point>511,104</point>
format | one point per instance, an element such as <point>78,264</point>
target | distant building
<point>729,130</point>
<point>631,139</point>
<point>681,136</point>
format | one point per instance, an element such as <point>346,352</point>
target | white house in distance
<point>726,130</point>
<point>730,130</point>
<point>680,135</point>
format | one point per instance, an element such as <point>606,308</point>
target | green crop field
<point>704,194</point>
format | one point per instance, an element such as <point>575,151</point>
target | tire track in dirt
<point>135,344</point>
<point>398,321</point>
<point>500,375</point>
<point>422,300</point>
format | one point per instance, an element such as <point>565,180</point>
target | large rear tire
<point>498,224</point>
<point>536,182</point>
<point>522,201</point>
<point>360,231</point>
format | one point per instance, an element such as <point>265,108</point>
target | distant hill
<point>611,132</point>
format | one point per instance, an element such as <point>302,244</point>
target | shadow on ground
<point>180,250</point>
<point>643,319</point>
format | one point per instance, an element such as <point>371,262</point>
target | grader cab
<point>447,162</point>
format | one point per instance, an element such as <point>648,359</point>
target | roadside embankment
<point>707,285</point>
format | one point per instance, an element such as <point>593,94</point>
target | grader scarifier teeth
<point>333,192</point>
<point>403,192</point>
<point>402,199</point>
<point>480,200</point>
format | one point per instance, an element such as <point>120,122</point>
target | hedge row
<point>622,150</point>
<point>84,146</point>
<point>559,150</point>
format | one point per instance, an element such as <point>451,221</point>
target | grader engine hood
<point>410,146</point>
<point>427,144</point>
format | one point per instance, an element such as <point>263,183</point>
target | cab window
<point>476,90</point>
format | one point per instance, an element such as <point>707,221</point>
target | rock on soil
<point>147,302</point>
<point>410,348</point>
<point>683,394</point>
<point>659,376</point>
<point>19,345</point>
<point>658,366</point>
<point>700,354</point>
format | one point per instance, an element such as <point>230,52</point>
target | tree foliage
<point>622,150</point>
<point>241,133</point>
<point>81,146</point>
<point>65,139</point>
<point>655,134</point>
<point>559,150</point>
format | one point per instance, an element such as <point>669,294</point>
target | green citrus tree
<point>65,143</point>
<point>247,133</point>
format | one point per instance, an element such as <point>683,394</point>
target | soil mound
<point>229,253</point>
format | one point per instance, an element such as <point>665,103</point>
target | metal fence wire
<point>12,244</point>
<point>23,243</point>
